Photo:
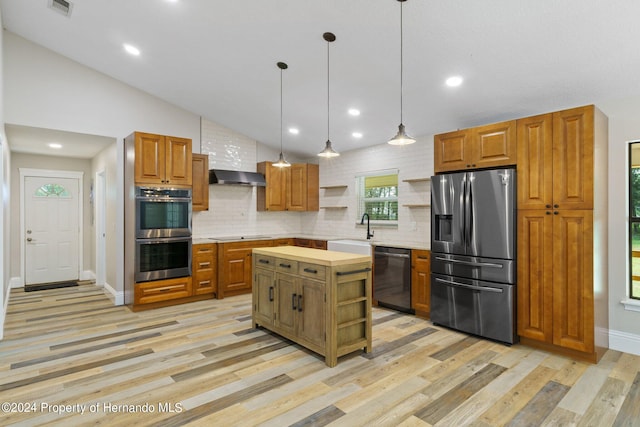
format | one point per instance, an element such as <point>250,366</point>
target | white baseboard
<point>16,282</point>
<point>118,297</point>
<point>624,341</point>
<point>87,275</point>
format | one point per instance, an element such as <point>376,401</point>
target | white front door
<point>52,228</point>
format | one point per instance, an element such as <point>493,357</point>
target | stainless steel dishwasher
<point>392,278</point>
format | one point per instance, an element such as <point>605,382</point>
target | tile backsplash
<point>232,209</point>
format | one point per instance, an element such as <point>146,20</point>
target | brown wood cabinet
<point>234,266</point>
<point>162,160</point>
<point>480,147</point>
<point>200,182</point>
<point>421,282</point>
<point>310,243</point>
<point>204,265</point>
<point>162,291</point>
<point>295,188</point>
<point>562,284</point>
<point>318,299</point>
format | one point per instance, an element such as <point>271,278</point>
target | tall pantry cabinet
<point>562,230</point>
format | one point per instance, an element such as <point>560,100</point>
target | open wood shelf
<point>417,205</point>
<point>333,187</point>
<point>333,207</point>
<point>416,180</point>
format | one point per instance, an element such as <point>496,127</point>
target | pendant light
<point>328,150</point>
<point>401,137</point>
<point>281,163</point>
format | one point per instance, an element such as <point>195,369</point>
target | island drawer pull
<point>346,273</point>
<point>263,261</point>
<point>285,265</point>
<point>310,270</point>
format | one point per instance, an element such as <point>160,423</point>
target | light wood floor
<point>203,364</point>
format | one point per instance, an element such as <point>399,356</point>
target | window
<point>634,219</point>
<point>49,190</point>
<point>378,196</point>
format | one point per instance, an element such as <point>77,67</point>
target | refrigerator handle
<point>471,238</point>
<point>467,213</point>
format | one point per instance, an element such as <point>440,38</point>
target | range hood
<point>221,176</point>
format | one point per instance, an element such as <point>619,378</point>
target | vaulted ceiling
<point>218,59</point>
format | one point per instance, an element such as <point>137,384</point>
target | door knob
<point>28,231</point>
<point>29,239</point>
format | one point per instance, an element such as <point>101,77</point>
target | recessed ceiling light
<point>54,145</point>
<point>354,111</point>
<point>131,49</point>
<point>454,81</point>
<point>356,134</point>
<point>294,131</point>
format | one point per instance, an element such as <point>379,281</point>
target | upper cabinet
<point>295,188</point>
<point>555,160</point>
<point>480,147</point>
<point>200,190</point>
<point>162,160</point>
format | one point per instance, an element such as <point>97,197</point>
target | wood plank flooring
<point>70,350</point>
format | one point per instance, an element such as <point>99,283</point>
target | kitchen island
<point>319,299</point>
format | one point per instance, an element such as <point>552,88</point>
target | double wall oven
<point>163,233</point>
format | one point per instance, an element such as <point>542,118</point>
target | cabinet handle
<point>285,265</point>
<point>548,206</point>
<point>555,212</point>
<point>556,206</point>
<point>263,261</point>
<point>205,283</point>
<point>299,303</point>
<point>422,257</point>
<point>270,293</point>
<point>548,213</point>
<point>310,270</point>
<point>293,302</point>
<point>205,264</point>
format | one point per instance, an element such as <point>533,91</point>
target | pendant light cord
<point>280,111</point>
<point>328,92</point>
<point>401,62</point>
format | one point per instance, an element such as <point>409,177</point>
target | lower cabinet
<point>421,282</point>
<point>204,268</point>
<point>326,309</point>
<point>234,266</point>
<point>310,243</point>
<point>160,291</point>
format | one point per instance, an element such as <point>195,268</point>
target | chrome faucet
<point>369,232</point>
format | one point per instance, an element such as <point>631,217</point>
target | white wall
<point>105,162</point>
<point>412,161</point>
<point>624,127</point>
<point>5,234</point>
<point>46,90</point>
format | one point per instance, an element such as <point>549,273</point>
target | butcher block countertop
<point>315,256</point>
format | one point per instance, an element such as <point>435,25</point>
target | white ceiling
<point>218,59</point>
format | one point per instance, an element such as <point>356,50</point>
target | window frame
<point>361,199</point>
<point>633,220</point>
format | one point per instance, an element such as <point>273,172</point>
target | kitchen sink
<point>362,247</point>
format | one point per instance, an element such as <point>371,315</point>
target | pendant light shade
<point>282,162</point>
<point>328,149</point>
<point>401,137</point>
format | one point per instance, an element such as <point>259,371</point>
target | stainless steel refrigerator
<point>473,252</point>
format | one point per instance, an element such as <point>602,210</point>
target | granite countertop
<point>314,256</point>
<point>227,239</point>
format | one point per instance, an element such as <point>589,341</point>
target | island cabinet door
<point>311,312</point>
<point>286,302</point>
<point>264,291</point>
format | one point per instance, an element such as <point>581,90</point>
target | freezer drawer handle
<point>346,273</point>
<point>471,263</point>
<point>473,288</point>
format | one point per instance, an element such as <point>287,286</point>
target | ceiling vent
<point>61,6</point>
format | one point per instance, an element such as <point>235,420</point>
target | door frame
<point>100,202</point>
<point>45,173</point>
